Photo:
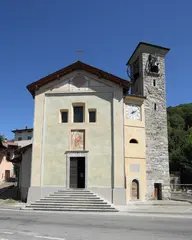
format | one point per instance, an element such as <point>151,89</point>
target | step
<point>70,201</point>
<point>75,191</point>
<point>72,194</point>
<point>71,207</point>
<point>74,209</point>
<point>71,191</point>
<point>69,204</point>
<point>75,196</point>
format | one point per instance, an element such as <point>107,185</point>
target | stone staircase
<point>72,200</point>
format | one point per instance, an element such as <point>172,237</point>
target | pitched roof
<point>77,66</point>
<point>22,130</point>
<point>22,149</point>
<point>148,46</point>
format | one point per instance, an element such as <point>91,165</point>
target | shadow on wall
<point>1,158</point>
<point>9,192</point>
<point>11,179</point>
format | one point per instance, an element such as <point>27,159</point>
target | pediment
<point>80,82</point>
<point>61,75</point>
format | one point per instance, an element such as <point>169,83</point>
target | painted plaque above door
<point>78,140</point>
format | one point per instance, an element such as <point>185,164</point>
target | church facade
<point>90,133</point>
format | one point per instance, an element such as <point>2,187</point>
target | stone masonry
<point>157,160</point>
<point>152,86</point>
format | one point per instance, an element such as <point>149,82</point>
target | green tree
<point>176,121</point>
<point>180,140</point>
<point>1,139</point>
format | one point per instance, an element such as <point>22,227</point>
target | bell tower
<point>147,73</point>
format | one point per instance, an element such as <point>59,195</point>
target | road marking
<point>7,233</point>
<point>187,210</point>
<point>53,238</point>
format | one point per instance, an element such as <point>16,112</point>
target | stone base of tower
<point>157,190</point>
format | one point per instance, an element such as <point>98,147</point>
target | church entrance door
<point>77,172</point>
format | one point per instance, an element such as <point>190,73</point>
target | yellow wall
<point>135,162</point>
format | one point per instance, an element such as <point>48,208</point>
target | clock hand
<point>133,112</point>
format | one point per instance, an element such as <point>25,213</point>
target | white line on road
<point>11,233</point>
<point>187,210</point>
<point>46,237</point>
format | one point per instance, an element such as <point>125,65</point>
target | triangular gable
<point>73,67</point>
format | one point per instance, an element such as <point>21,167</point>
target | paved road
<point>59,226</point>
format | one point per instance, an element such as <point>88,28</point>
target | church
<point>96,131</point>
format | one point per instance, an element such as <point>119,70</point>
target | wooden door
<point>7,175</point>
<point>73,172</point>
<point>81,172</point>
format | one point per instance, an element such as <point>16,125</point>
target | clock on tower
<point>133,112</point>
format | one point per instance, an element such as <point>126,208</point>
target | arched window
<point>135,190</point>
<point>133,141</point>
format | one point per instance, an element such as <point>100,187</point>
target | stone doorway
<point>77,172</point>
<point>158,191</point>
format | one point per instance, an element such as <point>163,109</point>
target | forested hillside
<point>180,140</point>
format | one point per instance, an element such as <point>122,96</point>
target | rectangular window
<point>78,113</point>
<point>154,82</point>
<point>64,116</point>
<point>19,138</point>
<point>92,115</point>
<point>29,138</point>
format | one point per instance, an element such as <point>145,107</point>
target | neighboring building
<point>90,133</point>
<point>22,159</point>
<point>24,136</point>
<point>6,167</point>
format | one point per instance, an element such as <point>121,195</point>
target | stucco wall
<point>25,174</point>
<point>135,169</point>
<point>24,135</point>
<point>52,139</point>
<point>135,156</point>
<point>97,139</point>
<point>5,165</point>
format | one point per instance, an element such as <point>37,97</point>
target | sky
<point>41,36</point>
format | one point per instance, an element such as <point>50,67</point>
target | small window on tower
<point>155,106</point>
<point>154,82</point>
<point>136,69</point>
<point>133,141</point>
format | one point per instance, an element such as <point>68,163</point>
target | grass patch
<point>10,201</point>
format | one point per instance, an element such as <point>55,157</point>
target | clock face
<point>133,112</point>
